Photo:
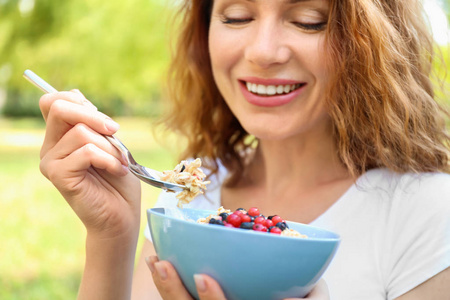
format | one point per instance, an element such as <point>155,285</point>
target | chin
<point>268,132</point>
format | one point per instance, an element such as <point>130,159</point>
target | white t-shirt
<point>395,231</point>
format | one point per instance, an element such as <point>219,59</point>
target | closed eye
<point>235,21</point>
<point>311,27</point>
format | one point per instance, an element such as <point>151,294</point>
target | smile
<point>271,90</point>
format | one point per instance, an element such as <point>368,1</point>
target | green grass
<point>41,239</point>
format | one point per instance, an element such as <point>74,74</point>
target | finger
<point>68,172</point>
<point>167,280</point>
<point>86,102</point>
<point>46,101</point>
<point>320,291</point>
<point>77,137</point>
<point>208,288</point>
<point>63,115</point>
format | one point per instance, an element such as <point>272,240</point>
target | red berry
<point>253,211</point>
<point>275,230</point>
<point>246,218</point>
<point>239,212</point>
<point>268,223</point>
<point>276,219</point>
<point>259,220</point>
<point>259,227</point>
<point>234,219</point>
<point>228,225</point>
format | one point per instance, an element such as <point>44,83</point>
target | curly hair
<point>380,99</point>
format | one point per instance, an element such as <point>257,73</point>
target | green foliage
<point>115,52</point>
<point>446,5</point>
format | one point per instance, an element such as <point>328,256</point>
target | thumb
<point>86,102</point>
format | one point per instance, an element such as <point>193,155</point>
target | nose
<point>267,46</point>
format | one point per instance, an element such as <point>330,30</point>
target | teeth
<point>270,90</point>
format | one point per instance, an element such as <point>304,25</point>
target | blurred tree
<point>115,52</point>
<point>446,5</point>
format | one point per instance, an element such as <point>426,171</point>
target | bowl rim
<point>154,211</point>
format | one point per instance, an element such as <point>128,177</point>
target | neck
<point>309,161</point>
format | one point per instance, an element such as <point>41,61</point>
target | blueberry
<point>219,222</point>
<point>247,225</point>
<point>270,217</point>
<point>224,216</point>
<point>216,221</point>
<point>282,225</point>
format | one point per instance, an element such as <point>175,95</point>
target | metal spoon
<point>145,174</point>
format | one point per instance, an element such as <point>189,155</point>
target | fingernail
<point>111,125</point>
<point>124,160</point>
<point>125,170</point>
<point>200,283</point>
<point>161,270</point>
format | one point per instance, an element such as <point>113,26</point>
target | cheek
<point>321,62</point>
<point>224,58</point>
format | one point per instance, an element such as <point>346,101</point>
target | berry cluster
<point>251,219</point>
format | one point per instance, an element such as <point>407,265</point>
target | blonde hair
<point>380,99</point>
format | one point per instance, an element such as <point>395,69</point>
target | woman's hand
<point>88,171</point>
<point>170,285</point>
<point>91,175</point>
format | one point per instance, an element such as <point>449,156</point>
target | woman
<point>321,111</point>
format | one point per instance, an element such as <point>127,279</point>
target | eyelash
<point>312,27</point>
<point>305,26</point>
<point>235,21</point>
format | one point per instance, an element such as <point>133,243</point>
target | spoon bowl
<point>145,174</point>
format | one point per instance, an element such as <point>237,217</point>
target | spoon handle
<point>39,82</point>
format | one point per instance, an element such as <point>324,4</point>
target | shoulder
<point>413,199</point>
<point>421,187</point>
<point>416,236</point>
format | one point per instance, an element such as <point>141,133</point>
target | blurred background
<point>116,53</point>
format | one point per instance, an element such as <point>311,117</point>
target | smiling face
<point>269,63</point>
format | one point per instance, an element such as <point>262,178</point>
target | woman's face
<point>269,63</point>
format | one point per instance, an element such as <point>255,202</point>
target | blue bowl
<point>247,264</point>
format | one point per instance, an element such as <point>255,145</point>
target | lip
<point>269,101</point>
<point>270,81</point>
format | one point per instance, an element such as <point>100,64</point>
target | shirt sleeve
<point>419,242</point>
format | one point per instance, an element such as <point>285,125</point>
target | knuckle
<point>81,131</point>
<point>43,168</point>
<point>57,107</point>
<point>89,150</point>
<point>49,171</point>
<point>45,101</point>
<point>74,97</point>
